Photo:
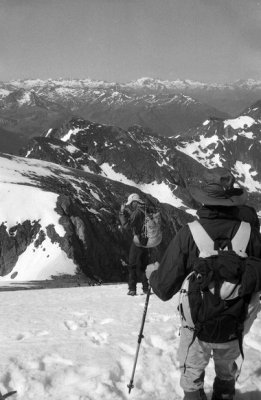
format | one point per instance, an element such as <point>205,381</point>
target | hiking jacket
<point>219,223</point>
<point>133,219</point>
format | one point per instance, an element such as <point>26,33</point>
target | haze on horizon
<point>123,40</point>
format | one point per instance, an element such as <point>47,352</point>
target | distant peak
<point>143,82</point>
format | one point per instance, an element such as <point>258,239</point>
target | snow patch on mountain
<point>41,263</point>
<point>4,93</point>
<point>49,132</point>
<point>20,202</point>
<point>160,191</point>
<point>23,170</point>
<point>70,133</point>
<point>25,99</point>
<point>69,91</point>
<point>71,148</point>
<point>12,171</point>
<point>202,150</point>
<point>246,176</point>
<point>239,123</point>
<point>248,135</point>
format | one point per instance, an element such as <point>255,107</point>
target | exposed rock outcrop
<point>13,243</point>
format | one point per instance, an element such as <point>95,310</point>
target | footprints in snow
<point>155,317</point>
<point>73,325</point>
<point>97,338</point>
<point>29,335</point>
<point>87,326</point>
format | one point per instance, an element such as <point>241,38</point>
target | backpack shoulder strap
<point>241,239</point>
<point>202,239</point>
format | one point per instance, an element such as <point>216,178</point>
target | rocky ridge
<point>135,156</point>
<point>232,143</point>
<point>142,159</point>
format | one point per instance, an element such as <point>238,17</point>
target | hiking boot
<point>197,395</point>
<point>131,293</point>
<point>223,390</point>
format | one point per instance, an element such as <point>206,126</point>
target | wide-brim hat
<point>216,188</point>
<point>134,197</point>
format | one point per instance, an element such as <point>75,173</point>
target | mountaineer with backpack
<point>145,223</point>
<point>215,264</point>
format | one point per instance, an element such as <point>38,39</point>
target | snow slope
<point>161,191</point>
<point>22,200</point>
<point>80,343</point>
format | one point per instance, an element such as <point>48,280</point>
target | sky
<point>123,40</point>
<point>80,343</point>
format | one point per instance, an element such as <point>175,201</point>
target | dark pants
<point>139,258</point>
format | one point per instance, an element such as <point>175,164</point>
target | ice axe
<point>140,337</point>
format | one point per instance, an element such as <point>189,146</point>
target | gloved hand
<point>150,268</point>
<point>143,240</point>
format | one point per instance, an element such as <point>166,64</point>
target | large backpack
<point>210,304</point>
<point>151,233</point>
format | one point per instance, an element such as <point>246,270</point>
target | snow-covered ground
<point>79,344</point>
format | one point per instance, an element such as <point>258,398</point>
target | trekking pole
<point>145,222</point>
<point>4,396</point>
<point>140,337</point>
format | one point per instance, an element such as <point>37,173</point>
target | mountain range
<point>61,197</point>
<point>29,107</point>
<point>141,159</point>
